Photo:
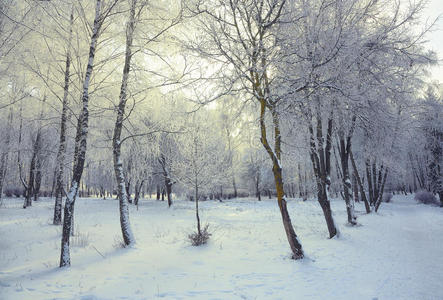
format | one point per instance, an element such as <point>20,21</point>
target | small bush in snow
<point>8,193</point>
<point>118,242</point>
<point>19,193</point>
<point>387,197</point>
<point>200,239</point>
<point>80,240</point>
<point>14,192</point>
<point>426,198</point>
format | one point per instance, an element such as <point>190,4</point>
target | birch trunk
<point>32,171</point>
<point>62,140</point>
<point>345,149</point>
<point>128,236</point>
<point>19,162</point>
<point>38,177</point>
<point>81,139</point>
<point>5,154</point>
<point>344,158</point>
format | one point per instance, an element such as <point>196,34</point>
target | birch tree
<point>5,152</point>
<point>128,236</point>
<point>101,12</point>
<point>60,160</point>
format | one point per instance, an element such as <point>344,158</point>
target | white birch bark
<point>80,147</point>
<point>62,141</point>
<point>128,236</point>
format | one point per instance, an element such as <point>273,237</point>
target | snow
<point>395,254</point>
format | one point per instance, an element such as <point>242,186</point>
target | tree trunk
<point>257,186</point>
<point>169,193</point>
<point>167,178</point>
<point>355,188</point>
<point>38,178</point>
<point>321,162</point>
<point>138,189</point>
<point>31,179</point>
<point>54,181</point>
<point>360,183</point>
<point>300,183</point>
<point>5,154</point>
<point>235,187</point>
<point>345,149</point>
<point>296,247</point>
<point>128,189</point>
<point>19,162</point>
<point>128,236</point>
<point>196,210</point>
<point>327,212</point>
<point>347,187</point>
<point>81,136</point>
<point>369,180</point>
<point>380,199</point>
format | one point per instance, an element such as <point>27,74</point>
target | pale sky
<point>435,9</point>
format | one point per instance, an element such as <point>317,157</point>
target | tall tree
<point>101,13</point>
<point>60,160</point>
<point>241,35</point>
<point>5,154</point>
<point>122,195</point>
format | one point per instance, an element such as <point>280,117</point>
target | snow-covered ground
<point>396,254</point>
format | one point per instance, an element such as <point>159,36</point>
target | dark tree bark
<point>38,178</point>
<point>355,188</point>
<point>138,190</point>
<point>382,182</point>
<point>19,162</point>
<point>257,185</point>
<point>360,183</point>
<point>128,189</point>
<point>33,170</point>
<point>167,178</point>
<point>369,181</point>
<point>30,185</point>
<point>235,187</point>
<point>275,155</point>
<point>321,162</point>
